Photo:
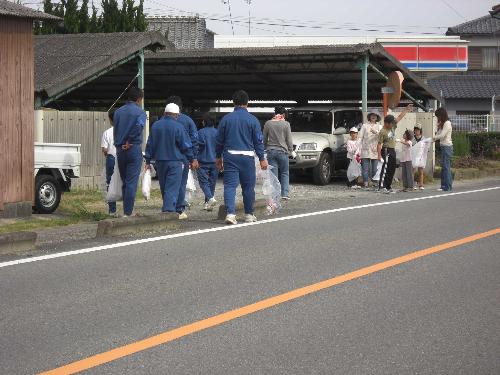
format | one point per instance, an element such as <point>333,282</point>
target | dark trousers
<point>207,177</point>
<point>388,168</point>
<point>180,207</point>
<point>110,168</point>
<point>169,177</point>
<point>129,164</point>
<point>239,169</point>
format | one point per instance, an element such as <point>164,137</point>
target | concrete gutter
<point>259,206</point>
<point>17,242</point>
<point>137,224</point>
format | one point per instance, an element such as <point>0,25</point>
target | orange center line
<point>165,337</point>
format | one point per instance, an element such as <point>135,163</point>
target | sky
<point>327,17</point>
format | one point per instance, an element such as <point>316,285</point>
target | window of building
<point>491,58</point>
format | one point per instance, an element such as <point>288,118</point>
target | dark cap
<point>389,119</point>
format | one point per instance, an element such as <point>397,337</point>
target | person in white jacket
<point>368,138</point>
<point>353,146</point>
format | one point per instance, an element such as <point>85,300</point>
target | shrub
<point>485,144</point>
<point>461,145</point>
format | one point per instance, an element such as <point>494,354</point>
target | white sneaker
<point>421,188</point>
<point>440,189</point>
<point>231,220</point>
<point>207,207</point>
<point>250,218</point>
<point>212,202</point>
<point>183,216</point>
<point>415,188</point>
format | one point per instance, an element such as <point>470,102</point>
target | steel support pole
<point>140,68</point>
<point>364,82</point>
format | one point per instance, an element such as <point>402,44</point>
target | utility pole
<point>249,2</point>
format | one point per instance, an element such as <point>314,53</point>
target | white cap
<point>353,130</point>
<point>172,108</point>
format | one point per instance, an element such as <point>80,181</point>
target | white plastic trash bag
<point>146,185</point>
<point>191,185</point>
<point>271,188</point>
<point>354,170</point>
<point>115,186</point>
<point>260,174</point>
<point>419,153</point>
<point>379,170</point>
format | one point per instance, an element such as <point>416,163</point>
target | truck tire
<point>322,173</point>
<point>47,194</point>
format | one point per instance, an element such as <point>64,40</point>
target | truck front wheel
<point>322,173</point>
<point>47,194</point>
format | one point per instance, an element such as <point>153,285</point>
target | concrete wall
<point>454,105</point>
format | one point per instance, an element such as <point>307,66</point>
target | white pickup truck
<point>319,135</point>
<point>55,165</point>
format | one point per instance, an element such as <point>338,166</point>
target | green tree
<point>83,15</point>
<point>111,16</point>
<point>46,26</point>
<point>127,16</point>
<point>140,18</point>
<point>71,16</point>
<point>95,21</point>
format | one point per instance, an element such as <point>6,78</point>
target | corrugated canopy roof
<point>292,73</point>
<point>63,61</point>
<point>469,85</point>
<point>11,9</point>
<point>486,25</point>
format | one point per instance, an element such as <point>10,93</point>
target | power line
<point>453,9</point>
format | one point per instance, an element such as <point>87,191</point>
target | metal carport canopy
<point>298,73</point>
<point>268,74</point>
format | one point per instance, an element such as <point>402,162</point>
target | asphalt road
<point>438,314</point>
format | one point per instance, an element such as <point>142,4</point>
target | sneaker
<point>183,216</point>
<point>354,187</point>
<point>415,188</point>
<point>207,207</point>
<point>285,198</point>
<point>249,218</point>
<point>231,220</point>
<point>440,189</point>
<point>212,202</point>
<point>421,188</point>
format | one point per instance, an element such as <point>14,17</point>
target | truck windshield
<point>311,121</point>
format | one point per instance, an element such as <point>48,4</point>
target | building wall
<point>468,105</point>
<point>16,111</point>
<point>183,32</point>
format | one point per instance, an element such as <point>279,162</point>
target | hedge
<point>485,144</point>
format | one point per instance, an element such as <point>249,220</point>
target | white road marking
<point>236,227</point>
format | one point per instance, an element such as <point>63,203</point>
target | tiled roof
<point>11,9</point>
<point>65,60</point>
<point>486,25</point>
<point>469,85</point>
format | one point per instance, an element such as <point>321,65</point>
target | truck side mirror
<point>340,130</point>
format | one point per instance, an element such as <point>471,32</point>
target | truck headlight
<point>308,147</point>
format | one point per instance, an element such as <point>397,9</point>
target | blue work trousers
<point>446,176</point>
<point>207,177</point>
<point>180,207</point>
<point>280,167</point>
<point>368,169</point>
<point>129,164</point>
<point>169,177</point>
<point>110,168</point>
<point>239,169</point>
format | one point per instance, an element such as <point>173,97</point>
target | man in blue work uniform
<point>169,145</point>
<point>239,138</point>
<point>129,123</point>
<point>192,132</point>
<point>208,173</point>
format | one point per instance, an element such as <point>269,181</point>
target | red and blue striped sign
<point>430,58</point>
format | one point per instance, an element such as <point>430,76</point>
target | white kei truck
<point>55,165</point>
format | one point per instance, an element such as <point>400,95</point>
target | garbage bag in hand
<point>419,153</point>
<point>115,186</point>
<point>354,170</point>
<point>146,184</point>
<point>191,185</point>
<point>271,188</point>
<point>379,170</point>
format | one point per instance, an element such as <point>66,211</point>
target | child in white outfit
<point>353,149</point>
<point>406,164</point>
